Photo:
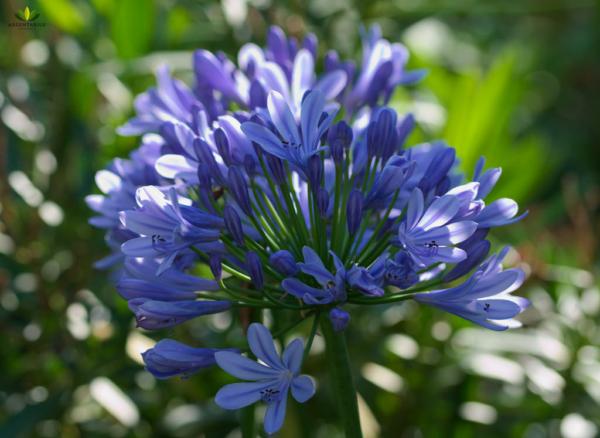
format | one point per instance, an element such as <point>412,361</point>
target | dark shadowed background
<point>518,82</point>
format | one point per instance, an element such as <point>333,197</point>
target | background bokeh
<point>518,82</point>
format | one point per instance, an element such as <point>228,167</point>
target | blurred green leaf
<point>132,27</point>
<point>178,23</point>
<point>481,109</point>
<point>105,7</point>
<point>63,14</point>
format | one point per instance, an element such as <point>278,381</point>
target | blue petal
<point>501,282</point>
<point>412,76</point>
<point>298,289</point>
<point>265,139</point>
<point>185,137</point>
<point>261,344</point>
<point>139,247</point>
<point>414,210</point>
<point>313,265</point>
<point>440,212</point>
<point>211,70</point>
<point>173,165</point>
<point>332,84</point>
<point>489,324</point>
<point>167,262</point>
<point>130,288</point>
<point>275,78</point>
<point>498,308</point>
<point>303,388</point>
<point>292,355</point>
<point>446,254</point>
<point>449,234</point>
<point>143,223</point>
<point>275,415</point>
<point>244,368</point>
<point>302,74</point>
<point>282,117</point>
<point>240,395</point>
<point>312,107</point>
<point>498,213</point>
<point>487,181</point>
<point>107,181</point>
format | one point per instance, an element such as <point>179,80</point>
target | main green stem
<point>341,377</point>
<point>248,425</point>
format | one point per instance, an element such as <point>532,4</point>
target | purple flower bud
<point>315,171</point>
<point>405,128</point>
<point>387,121</point>
<point>277,170</point>
<point>310,43</point>
<point>249,165</point>
<point>204,179</point>
<point>167,131</point>
<point>292,46</point>
<point>438,169</point>
<point>205,153</point>
<point>283,261</point>
<point>323,202</point>
<point>215,266</point>
<point>331,61</point>
<point>339,319</point>
<point>170,358</point>
<point>233,224</point>
<point>339,138</point>
<point>153,315</point>
<point>377,85</point>
<point>443,186</point>
<point>223,145</point>
<point>258,96</point>
<point>251,69</point>
<point>277,44</point>
<point>381,134</point>
<point>255,269</point>
<point>239,188</point>
<point>354,210</point>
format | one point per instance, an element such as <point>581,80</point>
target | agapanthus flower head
<point>293,189</point>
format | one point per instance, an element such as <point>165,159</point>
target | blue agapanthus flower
<point>271,184</point>
<point>270,380</point>
<point>485,297</point>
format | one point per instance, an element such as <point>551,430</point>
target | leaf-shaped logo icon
<point>27,14</point>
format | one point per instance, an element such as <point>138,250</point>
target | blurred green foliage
<point>518,82</point>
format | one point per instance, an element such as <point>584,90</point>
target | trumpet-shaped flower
<point>164,227</point>
<point>485,297</point>
<point>428,234</point>
<point>291,142</point>
<point>268,381</point>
